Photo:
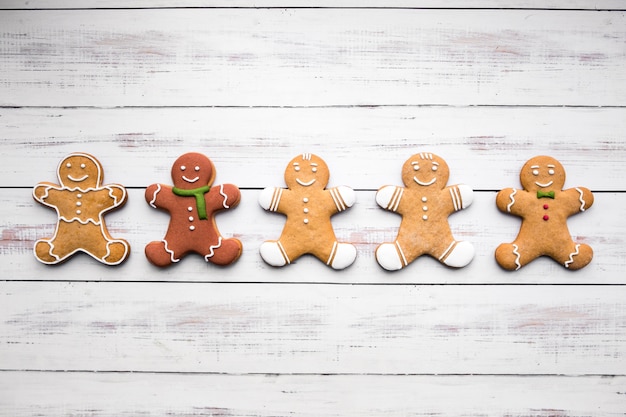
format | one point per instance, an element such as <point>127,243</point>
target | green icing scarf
<point>199,194</point>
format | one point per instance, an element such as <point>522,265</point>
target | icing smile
<point>544,185</point>
<point>305,184</point>
<point>191,180</point>
<point>81,179</point>
<point>425,183</point>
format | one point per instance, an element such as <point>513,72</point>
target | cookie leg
<point>43,252</point>
<point>509,257</point>
<point>342,255</point>
<point>458,254</point>
<point>578,256</point>
<point>117,251</point>
<point>391,256</point>
<point>225,252</point>
<point>160,254</point>
<point>273,252</point>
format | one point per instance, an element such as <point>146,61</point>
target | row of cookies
<point>424,202</point>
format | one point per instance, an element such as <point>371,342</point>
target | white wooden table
<point>251,84</point>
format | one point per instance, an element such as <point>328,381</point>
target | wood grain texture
<point>185,395</point>
<point>317,329</point>
<point>312,57</point>
<point>365,148</point>
<point>365,224</point>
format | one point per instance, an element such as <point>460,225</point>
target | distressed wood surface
<point>365,148</point>
<point>176,395</point>
<point>313,329</point>
<point>312,57</point>
<point>485,84</point>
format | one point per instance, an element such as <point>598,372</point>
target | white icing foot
<point>272,254</point>
<point>388,257</point>
<point>461,255</point>
<point>345,256</point>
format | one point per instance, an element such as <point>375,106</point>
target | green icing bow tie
<point>545,194</point>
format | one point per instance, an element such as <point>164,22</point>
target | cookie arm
<point>223,197</point>
<point>159,196</point>
<point>461,196</point>
<point>118,194</point>
<point>343,197</point>
<point>271,197</point>
<point>581,197</point>
<point>46,193</point>
<point>389,197</point>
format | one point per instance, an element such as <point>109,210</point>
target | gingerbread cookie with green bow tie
<point>544,208</point>
<point>192,203</point>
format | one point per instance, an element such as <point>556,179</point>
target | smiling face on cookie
<point>425,170</point>
<point>542,173</point>
<point>80,170</point>
<point>307,170</point>
<point>192,170</point>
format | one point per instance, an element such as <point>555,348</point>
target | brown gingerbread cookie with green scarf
<point>192,203</point>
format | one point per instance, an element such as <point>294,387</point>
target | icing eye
<point>535,172</point>
<point>182,167</point>
<point>197,168</point>
<point>297,168</point>
<point>314,169</point>
<point>416,167</point>
<point>434,168</point>
<point>551,171</point>
<point>82,166</point>
<point>68,165</point>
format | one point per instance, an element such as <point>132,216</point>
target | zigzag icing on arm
<point>212,249</point>
<point>154,196</point>
<point>582,201</point>
<point>225,196</point>
<point>171,252</point>
<point>511,196</point>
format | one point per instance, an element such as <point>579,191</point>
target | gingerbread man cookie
<point>81,202</point>
<point>192,203</point>
<point>544,208</point>
<point>308,206</point>
<point>424,204</point>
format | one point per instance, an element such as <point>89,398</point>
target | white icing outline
<point>544,185</point>
<point>582,202</point>
<point>225,196</point>
<point>571,256</point>
<point>171,252</point>
<point>212,249</point>
<point>515,252</point>
<point>191,181</point>
<point>84,155</point>
<point>154,196</point>
<point>511,196</point>
<point>305,184</point>
<point>333,251</point>
<point>425,184</point>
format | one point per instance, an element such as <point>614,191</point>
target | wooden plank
<point>364,147</point>
<point>97,395</point>
<point>449,4</point>
<point>320,329</point>
<point>365,224</point>
<point>311,57</point>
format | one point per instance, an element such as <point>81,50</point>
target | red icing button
<point>545,206</point>
<point>546,217</point>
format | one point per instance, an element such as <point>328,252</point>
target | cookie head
<point>425,170</point>
<point>192,170</point>
<point>80,170</point>
<point>542,173</point>
<point>308,171</point>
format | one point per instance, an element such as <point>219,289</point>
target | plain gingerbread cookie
<point>424,204</point>
<point>308,206</point>
<point>192,203</point>
<point>544,208</point>
<point>81,202</point>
